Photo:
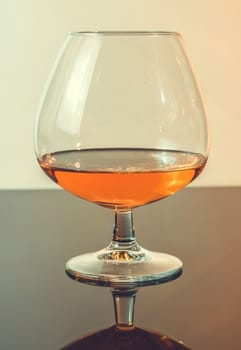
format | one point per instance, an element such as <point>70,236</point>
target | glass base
<point>124,268</point>
<point>134,339</point>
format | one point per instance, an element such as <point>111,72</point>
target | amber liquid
<point>122,178</point>
<point>135,339</point>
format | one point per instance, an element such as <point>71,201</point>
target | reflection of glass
<point>122,125</point>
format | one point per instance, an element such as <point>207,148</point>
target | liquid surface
<point>122,178</point>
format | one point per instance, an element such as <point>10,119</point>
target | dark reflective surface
<point>43,309</point>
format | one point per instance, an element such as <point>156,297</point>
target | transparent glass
<point>122,124</point>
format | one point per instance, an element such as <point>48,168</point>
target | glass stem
<point>124,231</point>
<point>124,301</point>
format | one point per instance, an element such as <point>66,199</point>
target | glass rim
<point>126,33</point>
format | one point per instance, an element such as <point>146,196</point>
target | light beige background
<point>33,31</point>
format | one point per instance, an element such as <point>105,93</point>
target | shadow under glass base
<point>124,268</point>
<point>135,339</point>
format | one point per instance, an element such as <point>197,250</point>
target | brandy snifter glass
<point>122,124</point>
